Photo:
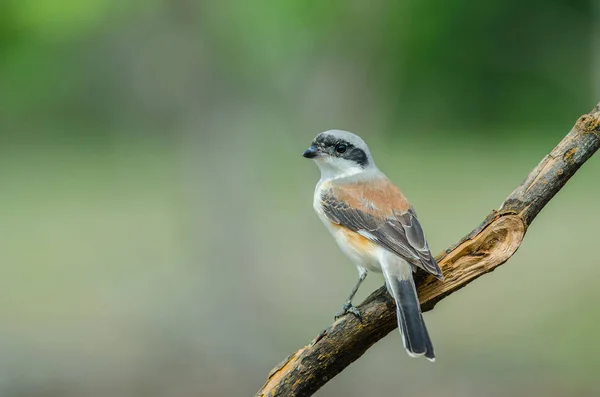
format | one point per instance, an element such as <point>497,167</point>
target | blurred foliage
<point>432,65</point>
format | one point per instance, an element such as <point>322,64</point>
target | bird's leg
<point>348,307</point>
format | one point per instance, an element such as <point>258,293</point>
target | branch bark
<point>488,246</point>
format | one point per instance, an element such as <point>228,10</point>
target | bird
<point>375,226</point>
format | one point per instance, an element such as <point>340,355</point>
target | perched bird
<point>375,226</point>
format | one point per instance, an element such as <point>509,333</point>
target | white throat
<point>335,168</point>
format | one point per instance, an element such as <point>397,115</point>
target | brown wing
<point>381,213</point>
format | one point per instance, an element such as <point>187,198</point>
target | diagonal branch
<point>481,251</point>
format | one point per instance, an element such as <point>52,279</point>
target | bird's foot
<point>349,308</point>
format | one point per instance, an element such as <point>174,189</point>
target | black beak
<point>311,152</point>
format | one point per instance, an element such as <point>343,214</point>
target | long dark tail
<point>410,320</point>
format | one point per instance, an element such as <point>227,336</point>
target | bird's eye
<point>340,148</point>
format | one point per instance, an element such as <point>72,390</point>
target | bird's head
<point>339,154</point>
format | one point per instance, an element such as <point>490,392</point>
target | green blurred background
<point>156,221</point>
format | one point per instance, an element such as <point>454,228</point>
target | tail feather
<point>410,320</point>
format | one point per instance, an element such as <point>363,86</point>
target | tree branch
<point>481,251</point>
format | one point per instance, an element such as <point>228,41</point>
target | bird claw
<point>349,308</point>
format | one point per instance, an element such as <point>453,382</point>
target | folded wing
<point>380,212</point>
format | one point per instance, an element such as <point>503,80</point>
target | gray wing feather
<point>416,239</point>
<point>401,233</point>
